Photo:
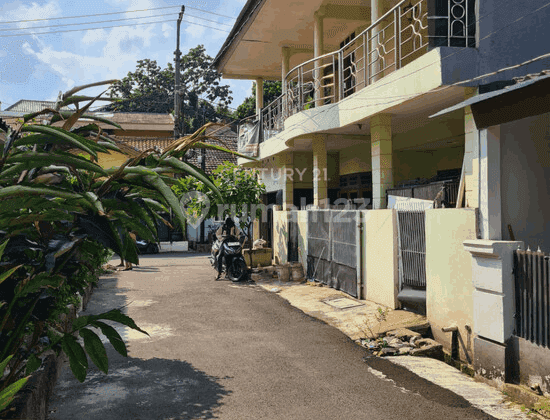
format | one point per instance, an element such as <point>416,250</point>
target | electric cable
<point>84,16</point>
<point>88,23</point>
<point>110,26</point>
<point>112,20</point>
<point>111,13</point>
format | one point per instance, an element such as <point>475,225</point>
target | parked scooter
<point>233,264</point>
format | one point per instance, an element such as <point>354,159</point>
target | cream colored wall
<point>280,237</point>
<point>301,218</point>
<point>414,164</point>
<point>111,159</point>
<point>449,284</point>
<point>355,159</point>
<point>380,256</point>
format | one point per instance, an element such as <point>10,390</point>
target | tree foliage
<point>150,88</point>
<point>272,90</point>
<point>240,190</point>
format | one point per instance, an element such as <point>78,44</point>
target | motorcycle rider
<point>227,229</point>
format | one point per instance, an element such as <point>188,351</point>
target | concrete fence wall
<point>280,236</point>
<point>449,286</point>
<point>379,257</point>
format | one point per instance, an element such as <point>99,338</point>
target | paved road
<point>226,351</point>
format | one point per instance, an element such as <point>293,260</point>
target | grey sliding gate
<point>332,248</point>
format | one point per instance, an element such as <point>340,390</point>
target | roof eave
<point>249,8</point>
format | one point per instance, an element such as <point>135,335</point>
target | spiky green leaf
<point>38,160</point>
<point>7,395</point>
<point>73,139</point>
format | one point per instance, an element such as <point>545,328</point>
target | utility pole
<point>177,86</point>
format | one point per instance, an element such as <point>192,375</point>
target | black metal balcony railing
<point>399,37</point>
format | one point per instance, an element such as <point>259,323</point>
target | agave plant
<point>60,210</point>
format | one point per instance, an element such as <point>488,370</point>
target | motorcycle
<point>233,263</point>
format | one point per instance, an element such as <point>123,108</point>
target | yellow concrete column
<point>318,48</point>
<point>320,192</point>
<point>378,9</point>
<point>288,197</point>
<point>381,152</point>
<point>471,153</point>
<point>259,95</point>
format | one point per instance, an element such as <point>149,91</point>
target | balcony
<point>404,33</point>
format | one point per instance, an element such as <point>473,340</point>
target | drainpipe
<point>453,329</point>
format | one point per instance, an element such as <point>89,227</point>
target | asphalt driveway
<point>232,351</point>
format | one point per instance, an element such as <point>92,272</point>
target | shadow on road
<point>139,389</point>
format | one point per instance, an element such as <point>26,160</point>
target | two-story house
<point>361,81</point>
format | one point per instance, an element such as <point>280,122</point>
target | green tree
<point>241,196</point>
<point>150,88</point>
<point>272,90</point>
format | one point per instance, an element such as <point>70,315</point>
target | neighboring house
<point>360,82</point>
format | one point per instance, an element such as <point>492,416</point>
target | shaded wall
<point>413,164</point>
<point>525,171</point>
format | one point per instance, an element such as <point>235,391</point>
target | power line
<point>212,13</point>
<point>89,23</point>
<point>84,16</point>
<point>111,13</point>
<point>110,26</point>
<point>111,20</point>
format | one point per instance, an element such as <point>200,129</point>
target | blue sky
<point>39,66</point>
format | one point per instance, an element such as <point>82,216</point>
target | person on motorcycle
<point>227,229</point>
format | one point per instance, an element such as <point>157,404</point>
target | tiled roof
<point>145,143</point>
<point>214,158</point>
<point>27,106</point>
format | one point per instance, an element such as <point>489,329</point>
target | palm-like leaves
<point>56,201</point>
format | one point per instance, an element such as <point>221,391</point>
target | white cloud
<point>17,10</point>
<point>167,30</point>
<point>95,36</point>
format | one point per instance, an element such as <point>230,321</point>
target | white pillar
<point>471,154</point>
<point>489,183</point>
<point>318,48</point>
<point>288,197</point>
<point>285,69</point>
<point>259,95</point>
<point>493,305</point>
<point>320,191</point>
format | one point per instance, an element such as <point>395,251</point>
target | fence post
<point>493,305</point>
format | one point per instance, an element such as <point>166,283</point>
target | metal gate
<point>332,248</point>
<point>411,234</point>
<point>532,293</point>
